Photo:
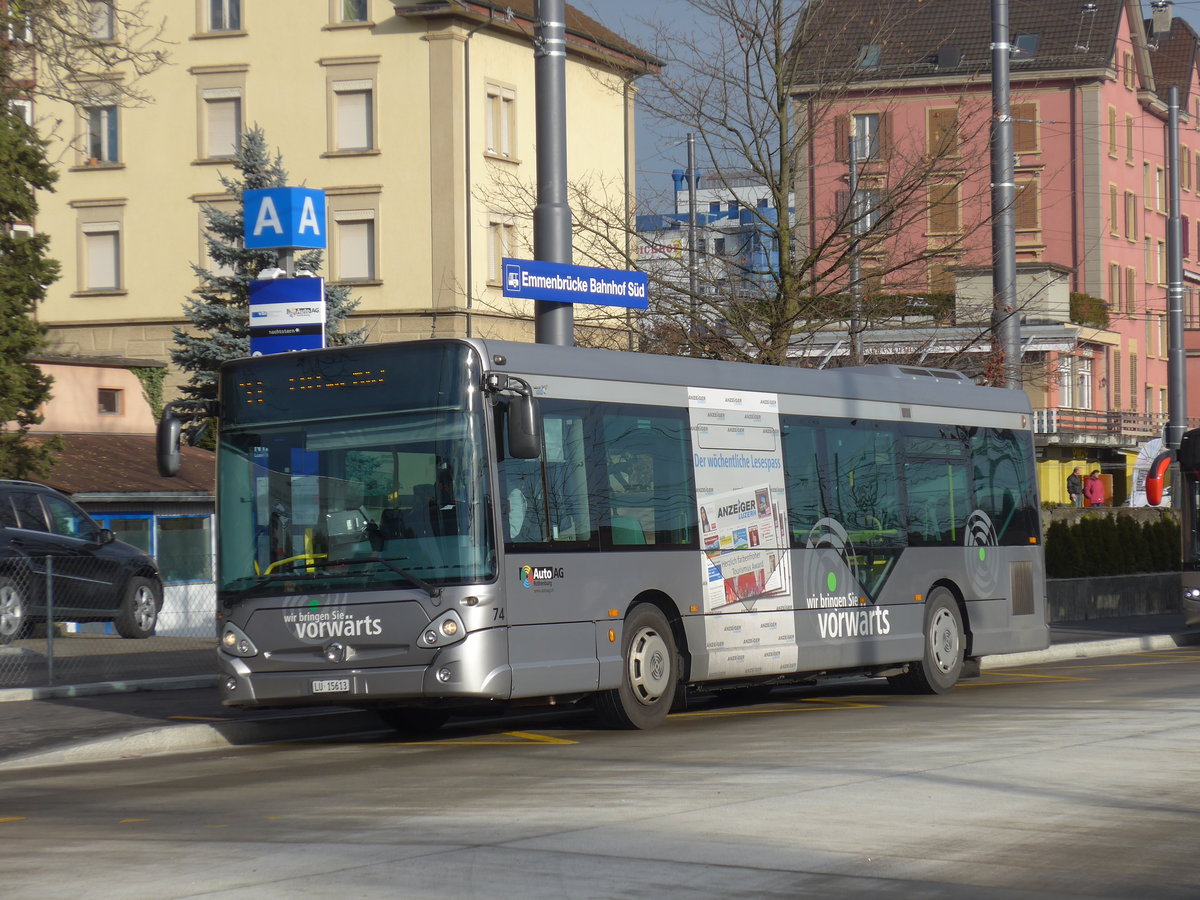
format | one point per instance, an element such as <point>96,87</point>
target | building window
<point>353,10</point>
<point>1113,217</point>
<point>354,115</point>
<point>944,209</point>
<point>1026,206</point>
<point>1127,70</point>
<point>1163,340</point>
<point>1185,168</point>
<point>942,126</point>
<point>183,546</point>
<point>1116,379</point>
<point>18,29</point>
<point>101,267</point>
<point>1083,371</point>
<point>1131,211</point>
<point>1160,261</point>
<point>1133,382</point>
<point>1129,132</point>
<point>1025,127</point>
<point>109,401</point>
<point>22,109</point>
<point>500,126</point>
<point>1130,290</point>
<point>102,135</point>
<point>222,123</point>
<point>224,15</point>
<point>1114,286</point>
<point>1112,132</point>
<point>1066,380</point>
<point>1160,189</point>
<point>102,24</point>
<point>355,240</point>
<point>866,136</point>
<point>501,243</point>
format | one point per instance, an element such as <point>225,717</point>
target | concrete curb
<point>1092,649</point>
<point>59,692</point>
<point>198,737</point>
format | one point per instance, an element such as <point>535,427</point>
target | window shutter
<point>841,139</point>
<point>885,135</point>
<point>1025,127</point>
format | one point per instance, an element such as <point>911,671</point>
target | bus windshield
<point>376,502</point>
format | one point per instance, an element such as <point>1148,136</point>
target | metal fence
<point>82,620</point>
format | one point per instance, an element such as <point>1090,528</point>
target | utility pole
<point>554,323</point>
<point>1176,361</point>
<point>855,211</point>
<point>693,278</point>
<point>1006,324</point>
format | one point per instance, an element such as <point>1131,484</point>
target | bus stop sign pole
<point>554,323</point>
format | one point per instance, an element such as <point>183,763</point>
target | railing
<point>1117,426</point>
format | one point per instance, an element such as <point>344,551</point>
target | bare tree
<point>756,84</point>
<point>81,51</point>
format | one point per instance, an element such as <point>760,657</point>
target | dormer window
<point>868,56</point>
<point>1025,47</point>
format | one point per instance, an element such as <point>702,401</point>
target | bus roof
<point>894,383</point>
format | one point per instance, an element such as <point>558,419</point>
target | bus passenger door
<point>545,514</point>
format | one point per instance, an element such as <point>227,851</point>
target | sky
<point>658,156</point>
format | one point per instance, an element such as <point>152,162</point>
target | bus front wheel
<point>942,662</point>
<point>649,672</point>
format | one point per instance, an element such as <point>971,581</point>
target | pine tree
<point>220,315</point>
<point>25,273</point>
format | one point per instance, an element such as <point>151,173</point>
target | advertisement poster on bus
<point>738,460</point>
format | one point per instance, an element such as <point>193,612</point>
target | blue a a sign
<point>535,279</point>
<point>287,314</point>
<point>287,218</point>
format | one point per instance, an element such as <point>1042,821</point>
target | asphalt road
<point>1072,779</point>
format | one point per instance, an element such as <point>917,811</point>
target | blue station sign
<point>287,314</point>
<point>534,279</point>
<point>286,218</point>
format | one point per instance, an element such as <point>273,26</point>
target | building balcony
<point>1098,428</point>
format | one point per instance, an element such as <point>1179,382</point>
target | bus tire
<point>14,612</point>
<point>649,672</point>
<point>945,645</point>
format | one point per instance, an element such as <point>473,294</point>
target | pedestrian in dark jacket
<point>1075,487</point>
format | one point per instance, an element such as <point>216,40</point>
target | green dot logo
<point>982,554</point>
<point>831,582</point>
<point>314,603</point>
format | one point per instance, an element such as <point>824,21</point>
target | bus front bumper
<point>474,669</point>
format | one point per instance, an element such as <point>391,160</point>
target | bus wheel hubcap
<point>649,666</point>
<point>944,640</point>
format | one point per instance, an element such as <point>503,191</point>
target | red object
<point>1156,476</point>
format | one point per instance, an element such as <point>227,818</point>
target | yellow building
<point>416,119</point>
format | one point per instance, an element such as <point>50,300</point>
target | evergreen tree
<point>220,315</point>
<point>25,273</point>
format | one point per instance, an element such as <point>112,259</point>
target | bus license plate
<point>331,686</point>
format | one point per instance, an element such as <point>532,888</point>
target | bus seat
<point>391,524</point>
<point>627,531</point>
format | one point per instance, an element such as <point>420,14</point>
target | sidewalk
<point>113,720</point>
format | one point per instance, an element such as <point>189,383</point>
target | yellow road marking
<point>522,739</point>
<point>1029,678</point>
<point>13,819</point>
<point>131,821</point>
<point>829,703</point>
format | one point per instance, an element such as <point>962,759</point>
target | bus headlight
<point>446,629</point>
<point>1191,594</point>
<point>235,642</point>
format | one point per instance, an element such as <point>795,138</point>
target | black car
<point>53,555</point>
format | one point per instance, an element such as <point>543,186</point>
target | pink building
<point>1089,84</point>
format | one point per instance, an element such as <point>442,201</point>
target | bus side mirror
<point>1157,475</point>
<point>524,427</point>
<point>169,429</point>
<point>1189,453</point>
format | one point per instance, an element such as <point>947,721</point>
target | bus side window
<point>801,477</point>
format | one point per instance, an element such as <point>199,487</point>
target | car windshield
<point>383,501</point>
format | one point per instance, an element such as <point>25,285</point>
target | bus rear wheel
<point>649,673</point>
<point>945,645</point>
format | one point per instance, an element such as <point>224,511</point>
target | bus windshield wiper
<point>415,580</point>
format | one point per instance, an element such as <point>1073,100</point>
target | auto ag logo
<point>539,576</point>
<point>527,576</point>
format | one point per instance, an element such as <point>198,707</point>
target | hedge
<point>1111,545</point>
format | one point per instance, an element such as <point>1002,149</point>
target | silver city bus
<point>426,526</point>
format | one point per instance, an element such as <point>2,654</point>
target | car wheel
<point>14,614</point>
<point>649,673</point>
<point>139,610</point>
